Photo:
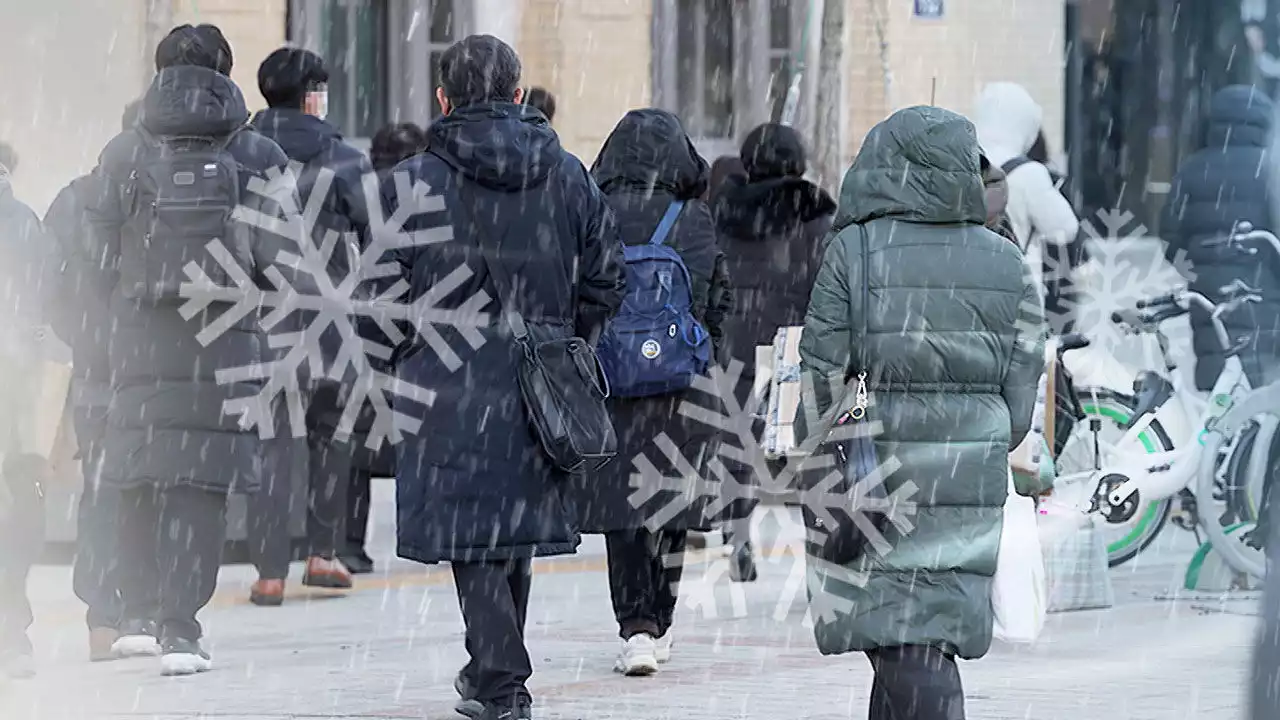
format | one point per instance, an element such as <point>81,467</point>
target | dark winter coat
<point>79,308</point>
<point>25,263</point>
<point>474,484</point>
<point>1225,183</point>
<point>166,422</point>
<point>954,344</point>
<point>647,163</point>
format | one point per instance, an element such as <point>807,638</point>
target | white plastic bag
<point>1020,594</point>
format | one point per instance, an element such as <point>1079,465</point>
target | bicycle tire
<point>1119,408</point>
<point>1229,545</point>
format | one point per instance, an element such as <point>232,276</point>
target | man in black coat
<point>78,301</point>
<point>1225,183</point>
<point>295,84</point>
<point>476,489</point>
<point>169,446</point>
<point>773,225</point>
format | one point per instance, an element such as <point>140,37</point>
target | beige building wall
<point>976,42</point>
<point>253,27</point>
<point>67,69</point>
<point>594,55</point>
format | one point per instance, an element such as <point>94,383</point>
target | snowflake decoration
<point>336,304</point>
<point>763,478</point>
<point>1111,280</point>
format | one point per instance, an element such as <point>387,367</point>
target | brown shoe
<point>100,642</point>
<point>267,593</point>
<point>328,573</point>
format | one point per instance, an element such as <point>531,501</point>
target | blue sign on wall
<point>928,8</point>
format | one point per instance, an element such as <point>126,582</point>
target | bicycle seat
<point>1072,341</point>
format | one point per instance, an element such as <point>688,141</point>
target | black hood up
<point>1239,115</point>
<point>301,136</point>
<point>501,146</point>
<point>191,100</point>
<point>763,207</point>
<point>650,150</point>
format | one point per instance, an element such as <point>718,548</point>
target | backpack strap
<point>667,222</point>
<point>1015,163</point>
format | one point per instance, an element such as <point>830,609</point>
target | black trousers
<point>171,546</point>
<point>21,540</point>
<point>915,682</point>
<point>642,582</point>
<point>94,574</point>
<point>359,495</point>
<point>326,463</point>
<point>495,601</point>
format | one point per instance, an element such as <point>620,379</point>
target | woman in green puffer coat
<point>952,338</point>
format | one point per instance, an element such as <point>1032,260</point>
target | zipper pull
<point>859,409</point>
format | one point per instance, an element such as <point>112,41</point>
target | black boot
<point>742,564</point>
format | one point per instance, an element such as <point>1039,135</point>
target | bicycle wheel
<point>1231,542</point>
<point>1131,535</point>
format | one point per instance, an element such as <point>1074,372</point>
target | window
<point>705,79</point>
<point>383,56</point>
<point>354,31</point>
<point>725,66</point>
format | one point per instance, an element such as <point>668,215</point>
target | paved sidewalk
<point>390,650</point>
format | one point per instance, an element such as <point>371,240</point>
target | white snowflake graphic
<point>664,496</point>
<point>1115,277</point>
<point>338,305</point>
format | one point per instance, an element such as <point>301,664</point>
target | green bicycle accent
<point>1192,578</point>
<point>1149,515</point>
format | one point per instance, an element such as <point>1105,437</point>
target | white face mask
<point>317,103</point>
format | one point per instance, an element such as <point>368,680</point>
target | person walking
<point>952,352</point>
<point>773,224</point>
<point>79,297</point>
<point>1217,187</point>
<point>390,146</point>
<point>166,424</point>
<point>1008,122</point>
<point>648,167</point>
<point>294,83</point>
<point>24,270</point>
<point>477,490</point>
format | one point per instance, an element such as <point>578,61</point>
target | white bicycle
<point>1250,423</point>
<point>1122,466</point>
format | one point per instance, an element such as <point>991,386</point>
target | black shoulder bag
<point>855,459</point>
<point>561,383</point>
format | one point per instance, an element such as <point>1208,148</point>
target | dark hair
<point>724,167</point>
<point>773,151</point>
<point>479,69</point>
<point>288,74</point>
<point>129,117</point>
<point>200,45</point>
<point>8,157</point>
<point>394,143</point>
<point>541,99</point>
<point>1039,150</point>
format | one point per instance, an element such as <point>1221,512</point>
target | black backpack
<point>180,198</point>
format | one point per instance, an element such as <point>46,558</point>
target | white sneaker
<point>638,656</point>
<point>184,657</point>
<point>129,646</point>
<point>662,649</point>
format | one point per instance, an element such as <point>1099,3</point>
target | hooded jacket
<point>25,264</point>
<point>473,484</point>
<point>1007,122</point>
<point>166,419</point>
<point>953,352</point>
<point>1227,182</point>
<point>648,162</point>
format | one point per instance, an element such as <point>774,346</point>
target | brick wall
<point>976,42</point>
<point>253,27</point>
<point>594,55</point>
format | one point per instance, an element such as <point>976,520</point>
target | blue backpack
<point>654,345</point>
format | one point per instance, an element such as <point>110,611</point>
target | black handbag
<point>855,457</point>
<point>562,384</point>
